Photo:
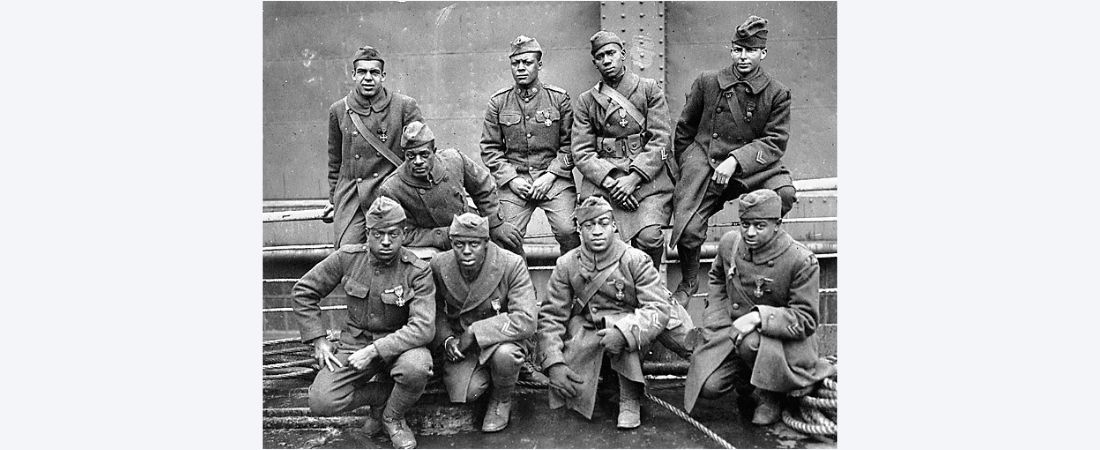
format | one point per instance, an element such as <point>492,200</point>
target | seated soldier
<point>762,310</point>
<point>432,187</point>
<point>485,310</point>
<point>391,314</point>
<point>608,298</point>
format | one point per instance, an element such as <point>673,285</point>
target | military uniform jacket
<point>780,281</point>
<point>631,299</point>
<point>498,306</point>
<point>355,169</point>
<point>529,138</point>
<point>725,117</point>
<point>596,118</point>
<point>391,306</point>
<point>431,204</point>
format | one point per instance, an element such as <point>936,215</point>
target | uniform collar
<point>435,176</point>
<point>519,91</point>
<point>626,85</point>
<point>592,261</point>
<point>363,106</point>
<point>770,251</point>
<point>756,81</point>
<point>375,262</point>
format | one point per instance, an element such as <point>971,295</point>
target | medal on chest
<point>495,303</point>
<point>399,291</point>
<point>760,282</point>
<point>382,135</point>
<point>622,118</point>
<point>619,290</point>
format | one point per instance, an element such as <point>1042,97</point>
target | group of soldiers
<point>471,311</point>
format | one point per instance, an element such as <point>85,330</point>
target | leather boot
<point>373,425</point>
<point>630,406</point>
<point>768,408</point>
<point>689,269</point>
<point>499,411</point>
<point>393,417</point>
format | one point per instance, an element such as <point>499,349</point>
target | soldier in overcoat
<point>485,310</point>
<point>604,299</point>
<point>761,314</point>
<point>433,186</point>
<point>391,320</point>
<point>621,133</point>
<point>525,143</point>
<point>729,141</point>
<point>361,155</point>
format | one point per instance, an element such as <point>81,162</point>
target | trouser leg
<point>355,231</point>
<point>479,383</point>
<point>410,374</point>
<point>517,212</point>
<point>345,388</point>
<point>732,374</point>
<point>695,233</point>
<point>651,240</point>
<point>559,212</point>
<point>504,363</point>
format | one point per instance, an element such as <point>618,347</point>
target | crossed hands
<point>532,191</point>
<point>622,189</point>
<point>744,325</point>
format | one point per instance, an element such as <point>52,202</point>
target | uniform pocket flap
<point>356,289</point>
<point>509,119</point>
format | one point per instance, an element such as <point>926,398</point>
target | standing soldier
<point>761,314</point>
<point>525,144</point>
<point>729,139</point>
<point>362,144</point>
<point>485,309</point>
<point>391,314</point>
<point>607,298</point>
<point>432,187</point>
<point>620,144</point>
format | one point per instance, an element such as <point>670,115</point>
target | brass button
<point>771,263</point>
<point>354,133</point>
<point>715,135</point>
<point>528,134</point>
<point>356,156</point>
<point>359,180</point>
<point>374,174</point>
<point>736,306</point>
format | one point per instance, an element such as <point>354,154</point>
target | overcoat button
<point>359,180</point>
<point>771,263</point>
<point>354,133</point>
<point>736,305</point>
<point>356,156</point>
<point>715,135</point>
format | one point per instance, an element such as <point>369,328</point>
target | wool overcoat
<point>597,117</point>
<point>355,169</point>
<point>389,305</point>
<point>780,280</point>
<point>498,306</point>
<point>632,300</point>
<point>747,119</point>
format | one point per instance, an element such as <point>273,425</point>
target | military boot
<point>374,394</point>
<point>500,409</point>
<point>393,417</point>
<point>373,425</point>
<point>768,407</point>
<point>689,268</point>
<point>630,406</point>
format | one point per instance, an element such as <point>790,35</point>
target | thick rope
<point>686,418</point>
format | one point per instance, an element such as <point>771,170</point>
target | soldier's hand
<point>363,357</point>
<point>323,350</point>
<point>542,186</point>
<point>466,341</point>
<point>564,380</point>
<point>724,171</point>
<point>629,204</point>
<point>451,347</point>
<point>520,186</point>
<point>744,325</point>
<point>625,186</point>
<point>608,182</point>
<point>612,340</point>
<point>326,215</point>
<point>507,234</point>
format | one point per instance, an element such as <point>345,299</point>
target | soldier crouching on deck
<point>608,299</point>
<point>391,314</point>
<point>432,187</point>
<point>485,310</point>
<point>761,314</point>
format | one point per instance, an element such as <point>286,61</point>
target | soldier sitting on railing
<point>761,314</point>
<point>391,315</point>
<point>485,311</point>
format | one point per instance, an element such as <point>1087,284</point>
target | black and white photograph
<point>550,225</point>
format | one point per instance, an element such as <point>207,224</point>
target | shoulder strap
<point>624,103</point>
<point>370,137</point>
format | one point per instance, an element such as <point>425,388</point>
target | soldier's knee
<point>650,237</point>
<point>748,347</point>
<point>713,387</point>
<point>325,403</point>
<point>787,195</point>
<point>506,356</point>
<point>413,368</point>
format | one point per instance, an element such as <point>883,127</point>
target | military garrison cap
<point>416,134</point>
<point>524,44</point>
<point>384,212</point>
<point>470,225</point>
<point>602,38</point>
<point>591,208</point>
<point>367,53</point>
<point>752,34</point>
<point>760,204</point>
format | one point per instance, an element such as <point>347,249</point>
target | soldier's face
<point>421,160</point>
<point>383,243</point>
<point>368,77</point>
<point>610,60</point>
<point>525,68</point>
<point>757,232</point>
<point>596,233</point>
<point>469,252</point>
<point>745,59</point>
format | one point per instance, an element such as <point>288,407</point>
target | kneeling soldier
<point>761,314</point>
<point>391,310</point>
<point>608,299</point>
<point>485,309</point>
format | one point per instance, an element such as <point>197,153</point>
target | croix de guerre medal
<point>382,135</point>
<point>622,118</point>
<point>496,305</point>
<point>619,287</point>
